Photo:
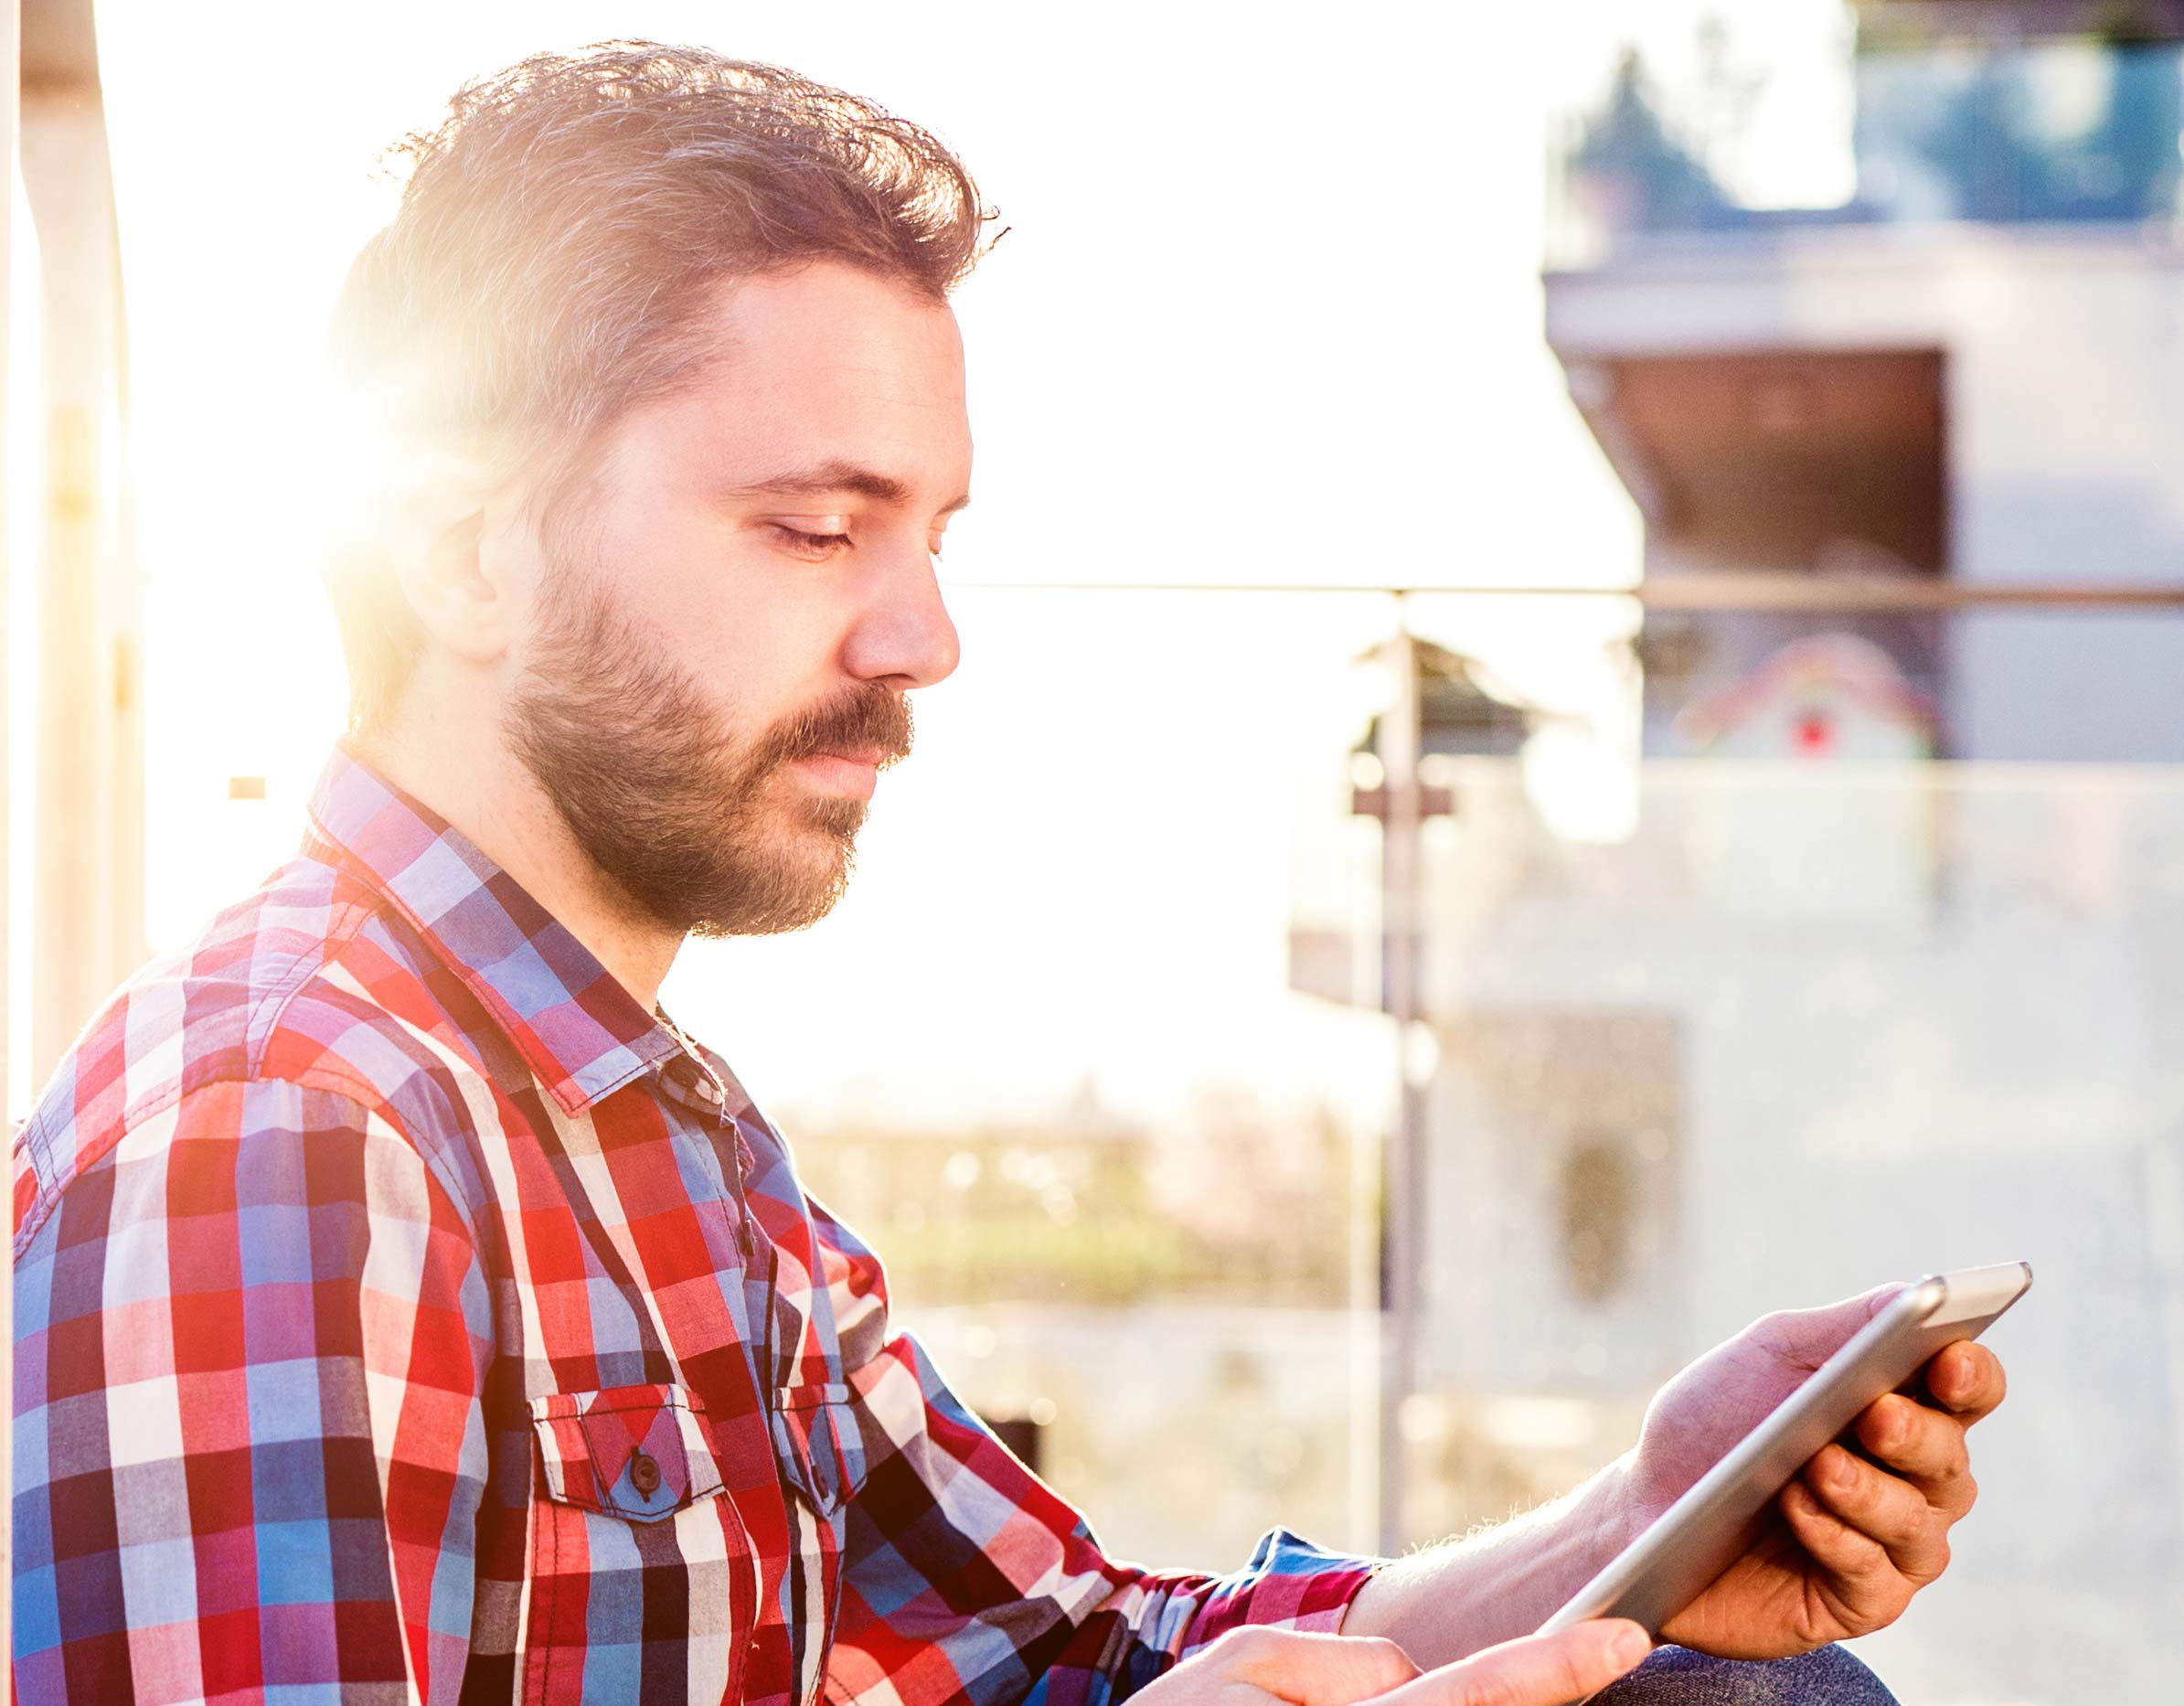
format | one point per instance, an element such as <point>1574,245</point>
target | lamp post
<point>1437,710</point>
<point>1403,1170</point>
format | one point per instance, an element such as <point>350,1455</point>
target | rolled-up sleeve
<point>966,1579</point>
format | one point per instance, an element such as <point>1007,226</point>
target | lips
<point>853,774</point>
<point>841,747</point>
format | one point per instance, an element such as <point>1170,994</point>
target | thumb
<point>1317,1669</point>
<point>1573,1664</point>
<point>1807,1338</point>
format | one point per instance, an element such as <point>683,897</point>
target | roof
<point>1842,662</point>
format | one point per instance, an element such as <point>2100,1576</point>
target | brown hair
<point>555,240</point>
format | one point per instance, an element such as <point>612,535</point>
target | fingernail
<point>1631,1643</point>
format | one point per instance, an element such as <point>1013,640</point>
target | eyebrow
<point>828,477</point>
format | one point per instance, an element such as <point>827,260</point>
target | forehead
<point>826,364</point>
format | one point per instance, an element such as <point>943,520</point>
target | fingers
<point>1884,1508</point>
<point>1573,1664</point>
<point>1311,1669</point>
<point>1879,1531</point>
<point>1925,1448</point>
<point>1341,1670</point>
<point>1968,1379</point>
<point>1864,1587</point>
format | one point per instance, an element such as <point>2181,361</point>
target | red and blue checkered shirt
<point>404,1312</point>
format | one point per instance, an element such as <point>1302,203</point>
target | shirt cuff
<point>1290,1584</point>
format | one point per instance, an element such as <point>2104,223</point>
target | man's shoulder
<point>312,981</point>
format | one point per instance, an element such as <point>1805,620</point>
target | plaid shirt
<point>403,1313</point>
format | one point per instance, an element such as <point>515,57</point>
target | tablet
<point>1713,1524</point>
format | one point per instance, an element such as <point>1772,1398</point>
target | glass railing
<point>1093,1055</point>
<point>1698,1038</point>
<point>1805,1025</point>
<point>2062,131</point>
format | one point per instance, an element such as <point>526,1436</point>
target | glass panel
<point>1708,1037</point>
<point>1047,1060</point>
<point>1807,1026</point>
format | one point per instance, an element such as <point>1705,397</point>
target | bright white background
<point>1267,310</point>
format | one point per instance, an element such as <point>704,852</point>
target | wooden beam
<point>90,846</point>
<point>10,61</point>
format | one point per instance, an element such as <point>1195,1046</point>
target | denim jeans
<point>1675,1676</point>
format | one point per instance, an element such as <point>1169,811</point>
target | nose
<point>904,636</point>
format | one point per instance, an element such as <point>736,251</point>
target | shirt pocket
<point>822,1458</point>
<point>640,1567</point>
<point>823,1454</point>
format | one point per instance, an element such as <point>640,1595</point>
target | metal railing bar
<point>1692,593</point>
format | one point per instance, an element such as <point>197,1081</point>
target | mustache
<point>865,720</point>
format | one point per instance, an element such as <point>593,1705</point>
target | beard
<point>696,825</point>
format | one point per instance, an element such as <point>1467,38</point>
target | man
<point>406,1310</point>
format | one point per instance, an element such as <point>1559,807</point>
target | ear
<point>459,591</point>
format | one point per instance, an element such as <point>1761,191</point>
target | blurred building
<point>1830,1012</point>
<point>1966,374</point>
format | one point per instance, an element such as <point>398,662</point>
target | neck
<point>484,789</point>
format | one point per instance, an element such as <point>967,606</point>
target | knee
<point>1676,1677</point>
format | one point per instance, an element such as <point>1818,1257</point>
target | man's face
<point>722,628</point>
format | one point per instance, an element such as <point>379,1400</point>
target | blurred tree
<point>1236,1202</point>
<point>1636,176</point>
<point>1983,135</point>
<point>2130,164</point>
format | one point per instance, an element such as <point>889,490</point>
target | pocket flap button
<point>645,1475</point>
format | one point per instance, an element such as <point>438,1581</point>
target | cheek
<point>761,635</point>
<point>758,663</point>
<point>767,641</point>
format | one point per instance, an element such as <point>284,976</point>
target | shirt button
<point>643,1474</point>
<point>709,1089</point>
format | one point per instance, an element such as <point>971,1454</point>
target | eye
<point>811,547</point>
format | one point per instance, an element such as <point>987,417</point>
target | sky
<point>1267,311</point>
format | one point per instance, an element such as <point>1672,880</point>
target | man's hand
<point>1255,1666</point>
<point>1844,1551</point>
<point>1849,1541</point>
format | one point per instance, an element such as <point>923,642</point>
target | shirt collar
<point>580,1030</point>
